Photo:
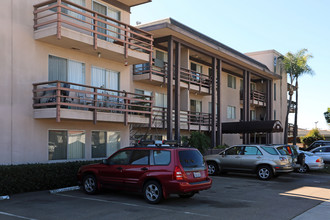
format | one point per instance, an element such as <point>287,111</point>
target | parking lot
<point>232,196</point>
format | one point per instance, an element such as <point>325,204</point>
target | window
<point>231,81</point>
<point>231,112</point>
<point>161,100</point>
<point>275,64</point>
<point>104,143</point>
<point>63,145</point>
<point>234,150</point>
<point>70,12</point>
<point>105,78</point>
<point>274,91</point>
<point>191,159</point>
<point>283,150</point>
<point>195,106</point>
<point>253,115</point>
<point>140,157</point>
<point>270,150</point>
<point>162,157</point>
<point>196,69</point>
<point>160,58</point>
<point>143,92</point>
<point>66,70</point>
<point>252,151</point>
<point>121,158</point>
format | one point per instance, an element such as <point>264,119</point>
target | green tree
<point>200,141</point>
<point>295,65</point>
<point>327,116</point>
<point>313,135</point>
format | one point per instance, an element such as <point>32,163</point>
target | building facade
<point>79,82</point>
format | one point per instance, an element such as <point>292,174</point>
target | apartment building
<point>210,87</point>
<point>79,82</point>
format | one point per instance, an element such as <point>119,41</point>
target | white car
<point>323,151</point>
<point>312,162</point>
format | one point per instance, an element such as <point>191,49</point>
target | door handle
<point>259,157</point>
<point>144,169</point>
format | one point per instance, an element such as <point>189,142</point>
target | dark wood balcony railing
<point>187,117</point>
<point>256,96</point>
<point>64,13</point>
<point>188,76</point>
<point>59,94</point>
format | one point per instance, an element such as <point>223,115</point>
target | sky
<point>255,25</point>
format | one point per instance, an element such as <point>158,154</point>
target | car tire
<point>213,168</point>
<point>303,169</point>
<point>152,192</point>
<point>187,195</point>
<point>89,184</point>
<point>265,172</point>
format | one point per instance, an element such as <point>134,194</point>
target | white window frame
<point>96,158</point>
<point>231,112</point>
<point>233,82</point>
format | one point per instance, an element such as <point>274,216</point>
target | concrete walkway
<point>321,211</point>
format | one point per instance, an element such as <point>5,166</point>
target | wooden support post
<point>58,101</point>
<point>126,109</point>
<point>95,105</point>
<point>177,91</point>
<point>219,127</point>
<point>170,89</point>
<point>95,29</point>
<point>59,19</point>
<point>126,42</point>
<point>213,110</point>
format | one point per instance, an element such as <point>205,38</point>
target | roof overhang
<point>272,126</point>
<point>126,4</point>
<point>171,27</point>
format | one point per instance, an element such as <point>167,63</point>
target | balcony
<point>157,75</point>
<point>188,120</point>
<point>64,100</point>
<point>68,25</point>
<point>257,98</point>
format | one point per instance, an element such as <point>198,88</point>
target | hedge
<point>34,177</point>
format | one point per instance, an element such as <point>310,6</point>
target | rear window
<point>162,157</point>
<point>283,150</point>
<point>191,159</point>
<point>270,150</point>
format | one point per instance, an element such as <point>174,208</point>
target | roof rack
<point>153,143</point>
<point>145,142</point>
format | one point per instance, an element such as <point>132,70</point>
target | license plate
<point>197,174</point>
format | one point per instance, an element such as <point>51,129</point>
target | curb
<point>66,189</point>
<point>4,197</point>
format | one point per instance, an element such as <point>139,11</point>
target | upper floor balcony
<point>157,74</point>
<point>257,98</point>
<point>64,100</point>
<point>69,25</point>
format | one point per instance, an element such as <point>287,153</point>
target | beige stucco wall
<point>24,139</point>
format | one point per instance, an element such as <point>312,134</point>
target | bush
<point>200,141</point>
<point>313,135</point>
<point>33,177</point>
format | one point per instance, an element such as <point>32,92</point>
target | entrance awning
<point>252,127</point>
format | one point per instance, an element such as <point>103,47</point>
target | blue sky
<point>254,25</point>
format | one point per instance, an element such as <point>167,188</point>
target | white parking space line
<point>17,216</point>
<point>136,205</point>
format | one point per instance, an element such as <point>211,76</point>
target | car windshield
<point>191,159</point>
<point>283,150</point>
<point>308,153</point>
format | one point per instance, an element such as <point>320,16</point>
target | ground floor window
<point>66,144</point>
<point>105,143</point>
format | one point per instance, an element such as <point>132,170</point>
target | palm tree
<point>295,65</point>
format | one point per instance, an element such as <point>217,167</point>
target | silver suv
<point>264,160</point>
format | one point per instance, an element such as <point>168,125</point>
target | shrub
<point>313,135</point>
<point>200,141</point>
<point>33,177</point>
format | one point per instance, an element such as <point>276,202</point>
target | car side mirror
<point>105,161</point>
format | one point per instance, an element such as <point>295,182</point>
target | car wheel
<point>187,195</point>
<point>303,169</point>
<point>213,168</point>
<point>152,192</point>
<point>90,184</point>
<point>264,172</point>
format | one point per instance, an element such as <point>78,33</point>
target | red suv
<point>156,171</point>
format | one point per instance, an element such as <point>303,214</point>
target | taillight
<point>178,175</point>
<point>319,160</point>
